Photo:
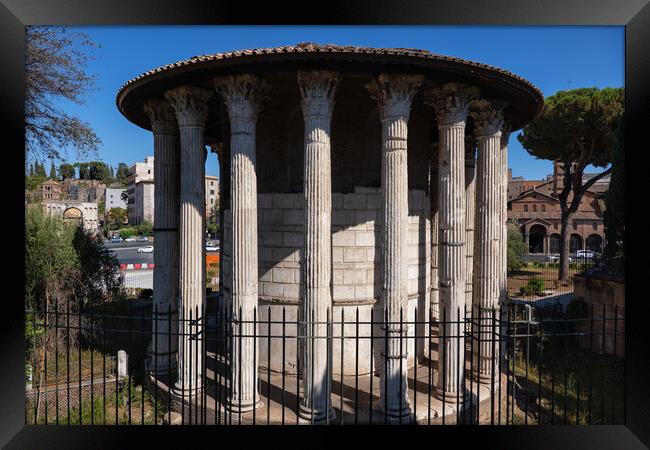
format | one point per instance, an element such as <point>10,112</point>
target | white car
<point>147,249</point>
<point>556,258</point>
<point>211,248</point>
<point>129,239</point>
<point>586,254</point>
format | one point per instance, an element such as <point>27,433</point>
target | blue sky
<point>552,58</point>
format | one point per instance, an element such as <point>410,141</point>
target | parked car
<point>556,258</point>
<point>209,247</point>
<point>116,239</point>
<point>143,239</point>
<point>129,239</point>
<point>586,254</point>
<point>147,249</point>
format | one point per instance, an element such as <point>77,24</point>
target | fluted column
<point>317,89</point>
<point>243,95</point>
<point>394,94</point>
<point>190,105</point>
<point>470,200</point>
<point>488,277</point>
<point>166,148</point>
<point>505,135</point>
<point>451,105</point>
<point>433,194</point>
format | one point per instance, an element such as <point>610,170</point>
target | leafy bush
<point>128,232</point>
<point>516,248</point>
<point>535,286</point>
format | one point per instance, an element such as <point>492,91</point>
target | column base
<point>181,392</point>
<point>447,396</point>
<point>242,408</point>
<point>320,417</point>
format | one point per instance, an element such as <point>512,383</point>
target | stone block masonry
<point>355,247</point>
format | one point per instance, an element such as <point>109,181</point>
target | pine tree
<point>52,171</point>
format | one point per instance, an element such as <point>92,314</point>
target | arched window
<point>543,208</point>
<point>526,208</point>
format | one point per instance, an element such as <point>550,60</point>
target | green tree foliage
<point>116,217</point>
<point>34,182</point>
<point>577,129</point>
<point>66,264</point>
<point>40,170</point>
<point>145,228</point>
<point>55,70</point>
<point>122,174</point>
<point>52,171</point>
<point>516,248</point>
<point>67,171</point>
<point>614,218</point>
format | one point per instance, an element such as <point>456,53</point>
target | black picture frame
<point>633,14</point>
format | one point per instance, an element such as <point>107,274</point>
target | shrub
<point>535,286</point>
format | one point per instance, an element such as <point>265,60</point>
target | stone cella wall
<point>356,259</point>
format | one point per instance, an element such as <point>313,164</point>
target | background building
<point>114,199</point>
<point>139,172</point>
<point>537,212</point>
<point>211,193</point>
<point>51,190</point>
<point>74,211</point>
<point>83,190</point>
<point>143,202</point>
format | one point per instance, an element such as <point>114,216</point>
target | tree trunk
<point>563,273</point>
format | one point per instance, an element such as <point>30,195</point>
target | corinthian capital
<point>190,104</point>
<point>394,93</point>
<point>162,116</point>
<point>488,116</point>
<point>243,95</point>
<point>317,88</point>
<point>451,102</point>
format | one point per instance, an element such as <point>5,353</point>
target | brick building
<point>537,212</point>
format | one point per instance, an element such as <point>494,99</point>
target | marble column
<point>166,149</point>
<point>433,198</point>
<point>317,89</point>
<point>505,135</point>
<point>470,200</point>
<point>488,248</point>
<point>394,94</point>
<point>243,95</point>
<point>451,104</point>
<point>190,105</point>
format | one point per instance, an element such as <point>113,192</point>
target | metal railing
<point>548,367</point>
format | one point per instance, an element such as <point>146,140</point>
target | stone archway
<point>575,243</point>
<point>594,243</point>
<point>536,237</point>
<point>73,215</point>
<point>555,243</point>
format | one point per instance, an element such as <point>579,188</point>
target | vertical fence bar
<point>430,380</point>
<point>492,364</point>
<point>459,363</point>
<point>566,370</point>
<point>415,365</point>
<point>128,387</point>
<point>371,366</point>
<point>615,341</point>
<point>342,366</point>
<point>527,364</point>
<point>45,393</point>
<point>56,355</point>
<point>268,366</point>
<point>475,375</point>
<point>36,386</point>
<point>329,346</point>
<point>385,375</point>
<point>298,354</point>
<point>312,338</point>
<point>283,358</point>
<point>169,359</point>
<point>254,372</point>
<point>92,369</point>
<point>143,356</point>
<point>441,346</point>
<point>190,380</point>
<point>602,372</point>
<point>591,371</point>
<point>154,356</point>
<point>104,347</point>
<point>79,365</point>
<point>539,371</point>
<point>356,369</point>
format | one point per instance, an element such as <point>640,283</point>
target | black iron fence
<point>116,365</point>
